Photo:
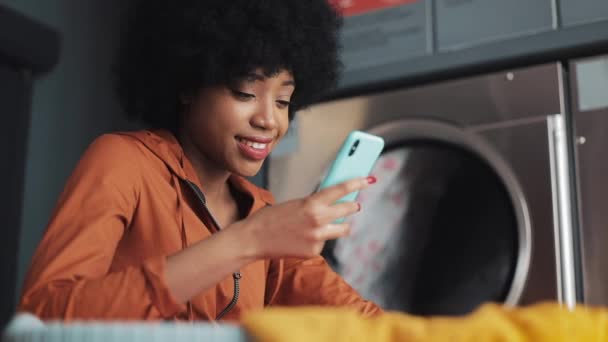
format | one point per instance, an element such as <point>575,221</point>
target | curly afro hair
<point>175,47</point>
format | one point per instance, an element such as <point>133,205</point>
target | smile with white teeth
<point>255,145</point>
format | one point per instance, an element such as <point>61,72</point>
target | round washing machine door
<point>445,228</point>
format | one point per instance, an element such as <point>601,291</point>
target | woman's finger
<point>343,209</point>
<point>331,194</point>
<point>332,231</point>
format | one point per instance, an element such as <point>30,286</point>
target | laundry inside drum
<point>437,234</point>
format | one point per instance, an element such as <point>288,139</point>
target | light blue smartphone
<point>356,158</point>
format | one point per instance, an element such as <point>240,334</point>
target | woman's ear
<point>185,99</point>
<point>185,103</point>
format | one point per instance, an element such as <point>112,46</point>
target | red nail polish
<point>371,179</point>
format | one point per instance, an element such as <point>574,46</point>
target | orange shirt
<point>125,208</point>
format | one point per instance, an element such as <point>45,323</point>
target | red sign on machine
<point>356,7</point>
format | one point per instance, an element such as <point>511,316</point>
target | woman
<point>161,224</point>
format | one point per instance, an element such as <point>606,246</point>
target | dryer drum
<point>444,230</point>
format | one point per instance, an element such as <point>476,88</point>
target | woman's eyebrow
<point>253,77</point>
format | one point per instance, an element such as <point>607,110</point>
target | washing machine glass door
<point>437,235</point>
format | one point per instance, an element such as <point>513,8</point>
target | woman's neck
<point>214,180</point>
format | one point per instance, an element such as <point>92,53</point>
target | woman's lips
<point>255,148</point>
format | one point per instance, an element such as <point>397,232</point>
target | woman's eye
<point>242,96</point>
<point>283,103</point>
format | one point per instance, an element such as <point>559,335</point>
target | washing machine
<point>473,199</point>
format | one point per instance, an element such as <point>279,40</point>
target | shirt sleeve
<point>70,276</point>
<point>295,282</point>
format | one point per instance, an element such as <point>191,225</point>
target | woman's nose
<point>265,115</point>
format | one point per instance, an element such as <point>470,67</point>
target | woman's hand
<point>300,227</point>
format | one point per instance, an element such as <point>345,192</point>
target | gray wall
<point>71,105</point>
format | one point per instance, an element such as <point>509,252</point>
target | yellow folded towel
<point>491,322</point>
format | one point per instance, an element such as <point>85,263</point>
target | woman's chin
<point>249,170</point>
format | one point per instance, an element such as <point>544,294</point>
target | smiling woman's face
<point>236,127</point>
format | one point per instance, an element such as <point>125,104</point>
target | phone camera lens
<point>353,148</point>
